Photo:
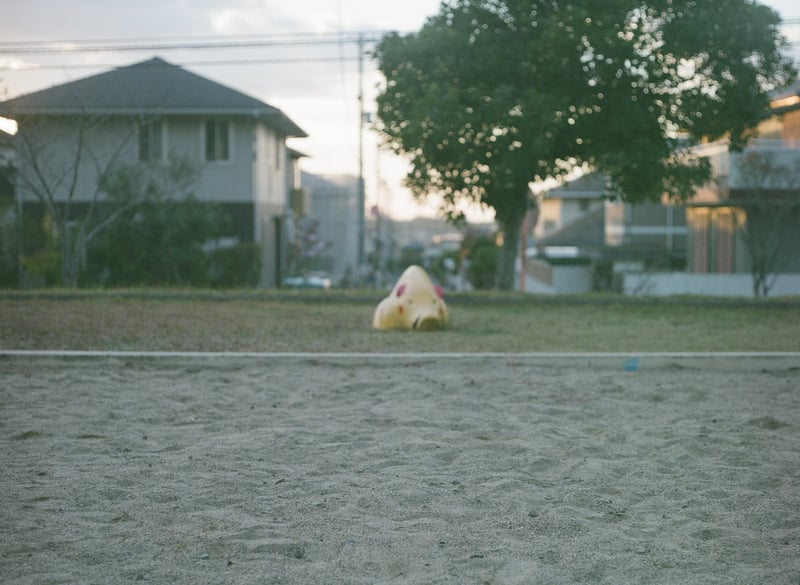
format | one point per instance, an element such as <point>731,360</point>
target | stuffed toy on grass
<point>414,303</point>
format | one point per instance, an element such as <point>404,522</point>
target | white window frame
<point>204,133</point>
<point>162,140</point>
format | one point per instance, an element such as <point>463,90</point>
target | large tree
<point>491,95</point>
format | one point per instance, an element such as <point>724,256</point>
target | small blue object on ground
<point>631,365</point>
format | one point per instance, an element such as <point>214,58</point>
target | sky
<point>316,85</point>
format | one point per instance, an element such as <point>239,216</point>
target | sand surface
<point>482,470</point>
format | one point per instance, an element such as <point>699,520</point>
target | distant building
<point>698,247</point>
<point>767,169</point>
<point>579,214</point>
<point>333,205</point>
<point>580,231</point>
<point>145,113</point>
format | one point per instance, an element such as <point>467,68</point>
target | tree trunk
<point>69,267</point>
<point>506,265</point>
<point>70,260</point>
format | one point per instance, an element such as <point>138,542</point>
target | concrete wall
<point>572,279</point>
<point>720,285</point>
<point>544,278</point>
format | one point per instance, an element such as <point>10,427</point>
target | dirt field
<point>399,470</point>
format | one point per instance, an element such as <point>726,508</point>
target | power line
<point>174,43</point>
<point>203,42</point>
<point>162,44</point>
<point>195,38</point>
<point>209,63</point>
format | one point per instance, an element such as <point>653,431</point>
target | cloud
<point>253,17</point>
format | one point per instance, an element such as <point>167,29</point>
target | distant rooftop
<point>154,87</point>
<point>786,100</point>
<point>589,186</point>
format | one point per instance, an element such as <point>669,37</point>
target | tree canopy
<point>491,95</point>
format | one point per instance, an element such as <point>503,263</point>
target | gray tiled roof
<point>590,186</point>
<point>587,232</point>
<point>154,86</point>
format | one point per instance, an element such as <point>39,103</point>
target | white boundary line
<point>58,353</point>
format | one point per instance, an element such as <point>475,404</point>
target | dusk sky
<point>315,85</point>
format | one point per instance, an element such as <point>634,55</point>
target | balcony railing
<point>774,144</point>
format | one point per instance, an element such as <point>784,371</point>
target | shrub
<point>160,244</point>
<point>237,266</point>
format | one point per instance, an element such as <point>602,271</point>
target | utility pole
<point>361,195</point>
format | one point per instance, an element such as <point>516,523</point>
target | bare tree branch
<point>770,205</point>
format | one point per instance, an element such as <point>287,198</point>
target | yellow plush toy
<point>414,303</point>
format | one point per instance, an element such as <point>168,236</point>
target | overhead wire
<point>192,38</point>
<point>187,63</point>
<point>164,44</point>
<point>204,42</point>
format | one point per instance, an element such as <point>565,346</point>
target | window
<point>151,141</point>
<point>217,140</point>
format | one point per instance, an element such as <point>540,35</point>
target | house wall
<point>255,175</point>
<point>785,126</point>
<point>224,181</point>
<point>55,142</point>
<point>270,174</point>
<point>660,225</point>
<point>183,137</point>
<point>549,217</point>
<point>791,127</point>
<point>252,183</point>
<point>59,145</point>
<point>714,246</point>
<point>646,225</point>
<point>556,212</point>
<point>271,168</point>
<point>778,153</point>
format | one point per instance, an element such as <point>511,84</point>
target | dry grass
<point>336,322</point>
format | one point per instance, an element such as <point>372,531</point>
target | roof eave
<point>274,117</point>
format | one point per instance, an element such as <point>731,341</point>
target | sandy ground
<point>481,470</point>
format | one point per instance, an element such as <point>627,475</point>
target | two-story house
<point>766,172</point>
<point>744,225</point>
<point>579,226</point>
<point>151,111</point>
<point>745,220</point>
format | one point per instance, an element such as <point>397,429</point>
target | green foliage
<point>492,94</point>
<point>135,184</point>
<point>440,266</point>
<point>161,244</point>
<point>41,257</point>
<point>308,252</point>
<point>44,266</point>
<point>412,254</point>
<point>9,229</point>
<point>482,257</point>
<point>236,266</point>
